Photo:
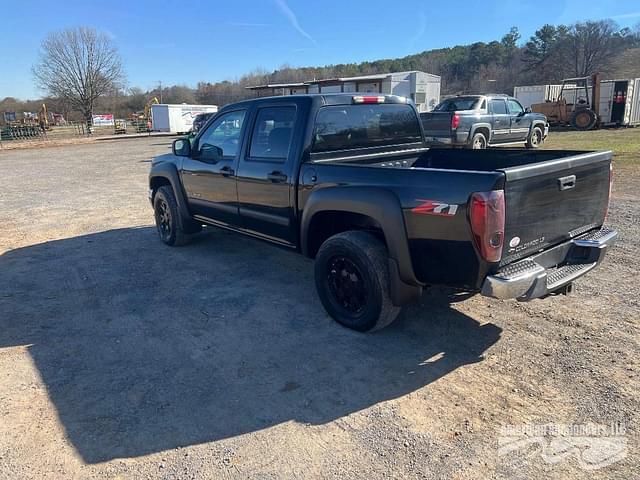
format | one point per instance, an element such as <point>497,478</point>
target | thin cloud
<point>293,19</point>
<point>626,15</point>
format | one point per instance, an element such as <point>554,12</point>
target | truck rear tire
<point>535,138</point>
<point>168,220</point>
<point>352,280</point>
<point>478,142</point>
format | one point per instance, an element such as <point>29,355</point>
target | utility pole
<point>160,82</point>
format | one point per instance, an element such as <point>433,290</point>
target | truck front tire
<point>352,280</point>
<point>168,220</point>
<point>535,138</point>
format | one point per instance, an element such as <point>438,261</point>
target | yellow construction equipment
<point>142,120</point>
<point>147,108</point>
<point>575,105</point>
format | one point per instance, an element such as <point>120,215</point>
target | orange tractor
<point>577,104</point>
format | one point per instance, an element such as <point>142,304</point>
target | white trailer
<point>176,118</point>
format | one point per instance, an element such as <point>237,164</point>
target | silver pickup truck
<point>480,121</point>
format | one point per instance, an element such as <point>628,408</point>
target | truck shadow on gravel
<point>145,348</point>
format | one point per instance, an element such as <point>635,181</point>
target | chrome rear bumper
<point>551,270</point>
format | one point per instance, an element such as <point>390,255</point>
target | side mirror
<point>210,153</point>
<point>181,147</point>
<point>527,110</point>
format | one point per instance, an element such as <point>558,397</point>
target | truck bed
<point>550,195</point>
<point>472,160</point>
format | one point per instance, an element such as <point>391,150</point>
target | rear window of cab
<point>341,127</point>
<point>458,103</point>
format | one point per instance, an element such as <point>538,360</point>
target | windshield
<point>360,126</point>
<point>459,103</point>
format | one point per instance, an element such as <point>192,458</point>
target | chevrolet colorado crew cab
<point>347,180</point>
<point>481,121</point>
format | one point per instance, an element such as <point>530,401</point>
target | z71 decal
<point>431,207</point>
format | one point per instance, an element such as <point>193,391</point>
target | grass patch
<point>624,142</point>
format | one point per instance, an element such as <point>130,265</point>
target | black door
<point>265,173</point>
<point>209,176</point>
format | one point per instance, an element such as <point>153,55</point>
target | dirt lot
<point>122,358</point>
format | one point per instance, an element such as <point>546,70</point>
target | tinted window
<point>223,134</point>
<point>272,133</point>
<point>514,107</point>
<point>358,126</point>
<point>498,106</point>
<point>458,103</point>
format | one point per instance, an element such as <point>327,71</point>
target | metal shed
<point>423,88</point>
<point>274,89</point>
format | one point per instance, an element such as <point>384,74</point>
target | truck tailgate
<point>550,202</point>
<point>436,124</point>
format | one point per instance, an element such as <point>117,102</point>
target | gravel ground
<point>123,358</point>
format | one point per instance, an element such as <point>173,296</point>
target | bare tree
<point>592,46</point>
<point>78,65</point>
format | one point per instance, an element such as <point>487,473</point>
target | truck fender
<point>537,123</point>
<point>383,207</point>
<point>476,126</point>
<point>169,173</point>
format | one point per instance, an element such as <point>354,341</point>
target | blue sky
<point>189,41</point>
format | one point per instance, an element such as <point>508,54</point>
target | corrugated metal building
<point>423,88</point>
<point>275,89</point>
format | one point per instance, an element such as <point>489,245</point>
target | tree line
<point>554,52</point>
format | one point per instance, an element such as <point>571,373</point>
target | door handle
<point>566,183</point>
<point>227,171</point>
<point>277,177</point>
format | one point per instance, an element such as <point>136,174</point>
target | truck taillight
<point>486,215</point>
<point>455,121</point>
<point>368,99</point>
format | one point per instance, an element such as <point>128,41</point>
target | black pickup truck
<point>347,180</point>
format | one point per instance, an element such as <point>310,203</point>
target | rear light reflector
<point>455,121</point>
<point>368,99</point>
<point>486,215</point>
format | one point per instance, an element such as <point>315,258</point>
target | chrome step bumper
<point>549,271</point>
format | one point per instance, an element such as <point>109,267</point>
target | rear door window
<point>272,132</point>
<point>359,126</point>
<point>498,106</point>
